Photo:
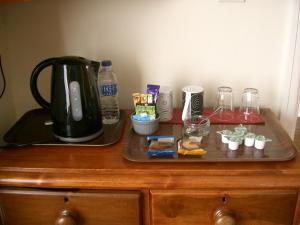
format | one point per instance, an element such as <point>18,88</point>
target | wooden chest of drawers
<point>91,186</point>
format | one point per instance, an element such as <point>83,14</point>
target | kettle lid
<point>73,60</point>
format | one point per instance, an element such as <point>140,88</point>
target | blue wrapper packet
<point>170,138</point>
<point>161,145</point>
<point>161,153</point>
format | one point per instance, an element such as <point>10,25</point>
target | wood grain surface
<point>104,167</point>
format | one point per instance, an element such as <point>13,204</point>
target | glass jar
<point>194,128</point>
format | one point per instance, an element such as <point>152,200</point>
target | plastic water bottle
<point>108,88</point>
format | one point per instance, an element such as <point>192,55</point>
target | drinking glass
<point>165,103</point>
<point>249,104</point>
<point>224,103</point>
<point>194,128</point>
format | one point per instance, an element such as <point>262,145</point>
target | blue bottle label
<point>109,90</point>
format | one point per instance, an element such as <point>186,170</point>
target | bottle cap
<point>106,63</point>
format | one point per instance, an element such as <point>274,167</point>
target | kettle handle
<point>33,82</point>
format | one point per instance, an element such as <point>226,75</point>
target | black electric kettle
<point>74,104</point>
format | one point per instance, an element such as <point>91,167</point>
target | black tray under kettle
<point>34,128</point>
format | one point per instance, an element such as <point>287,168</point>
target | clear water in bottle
<point>108,88</point>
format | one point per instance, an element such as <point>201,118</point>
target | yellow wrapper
<point>144,98</point>
<point>199,151</point>
<point>136,98</point>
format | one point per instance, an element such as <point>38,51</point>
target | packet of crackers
<point>161,145</point>
<point>190,147</point>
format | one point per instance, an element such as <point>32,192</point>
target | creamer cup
<point>260,141</point>
<point>233,143</point>
<point>225,134</point>
<point>249,139</point>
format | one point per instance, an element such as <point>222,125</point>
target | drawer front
<point>33,207</point>
<point>245,207</point>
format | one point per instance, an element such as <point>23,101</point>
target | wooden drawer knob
<point>224,217</point>
<point>66,217</point>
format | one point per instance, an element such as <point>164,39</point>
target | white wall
<point>174,42</point>
<point>7,113</point>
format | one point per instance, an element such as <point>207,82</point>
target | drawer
<point>245,207</point>
<point>35,207</point>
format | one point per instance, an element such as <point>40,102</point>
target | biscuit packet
<point>161,145</point>
<point>189,147</point>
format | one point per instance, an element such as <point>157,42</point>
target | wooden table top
<point>104,167</point>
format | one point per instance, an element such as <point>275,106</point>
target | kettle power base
<point>33,129</point>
